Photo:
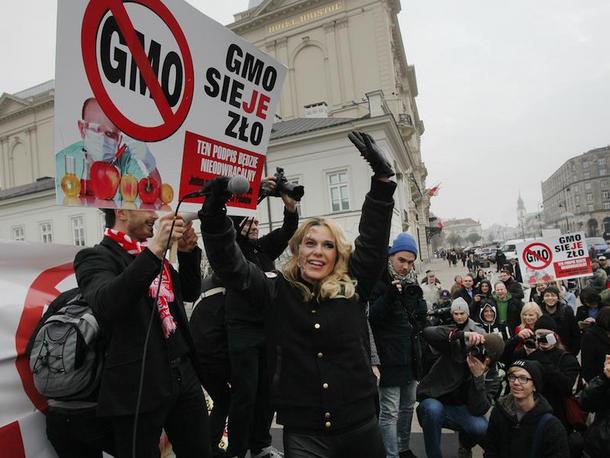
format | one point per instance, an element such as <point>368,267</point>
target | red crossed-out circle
<point>530,250</point>
<point>95,12</point>
<point>41,292</point>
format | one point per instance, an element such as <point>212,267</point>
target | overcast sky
<point>507,90</point>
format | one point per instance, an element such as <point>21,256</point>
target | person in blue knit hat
<point>397,308</point>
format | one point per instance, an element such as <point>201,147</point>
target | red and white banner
<point>152,100</point>
<point>554,258</point>
<point>31,276</point>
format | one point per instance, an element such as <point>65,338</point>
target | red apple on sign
<point>129,188</point>
<point>149,190</point>
<point>105,179</point>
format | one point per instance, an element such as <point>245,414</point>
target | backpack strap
<point>537,443</point>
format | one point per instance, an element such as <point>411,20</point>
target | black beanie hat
<point>534,369</point>
<point>546,322</point>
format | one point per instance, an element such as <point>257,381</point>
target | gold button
<point>327,415</point>
<point>320,355</point>
<point>325,386</point>
<point>317,325</point>
<point>328,424</point>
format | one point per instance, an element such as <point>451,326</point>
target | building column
<point>287,102</point>
<point>34,166</point>
<point>345,69</point>
<point>336,93</point>
<point>3,163</point>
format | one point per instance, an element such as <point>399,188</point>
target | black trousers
<point>362,442</point>
<point>250,413</point>
<point>216,383</point>
<point>79,435</point>
<point>184,418</point>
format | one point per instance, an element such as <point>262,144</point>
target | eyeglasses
<point>522,379</point>
<point>98,129</point>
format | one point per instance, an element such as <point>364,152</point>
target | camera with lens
<point>530,343</point>
<point>479,352</point>
<point>283,186</point>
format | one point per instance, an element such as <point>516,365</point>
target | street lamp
<point>566,214</point>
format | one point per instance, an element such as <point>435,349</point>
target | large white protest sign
<point>152,100</point>
<point>554,258</point>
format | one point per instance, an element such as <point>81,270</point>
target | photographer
<point>458,390</point>
<point>250,413</point>
<point>397,314</point>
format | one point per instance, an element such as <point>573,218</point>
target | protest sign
<point>152,100</point>
<point>554,258</point>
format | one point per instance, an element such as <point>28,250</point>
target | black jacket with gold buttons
<point>319,350</point>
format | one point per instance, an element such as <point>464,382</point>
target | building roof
<point>461,222</point>
<point>301,125</point>
<point>35,90</point>
<point>43,184</point>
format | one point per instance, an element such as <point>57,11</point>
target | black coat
<point>115,284</point>
<point>595,397</point>
<point>393,324</point>
<point>567,326</point>
<point>514,288</point>
<point>318,348</point>
<point>560,370</point>
<point>242,314</point>
<point>595,345</point>
<point>208,324</point>
<point>464,295</point>
<point>513,312</point>
<point>507,437</point>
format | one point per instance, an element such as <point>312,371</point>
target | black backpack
<point>65,350</point>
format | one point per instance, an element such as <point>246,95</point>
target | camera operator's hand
<point>159,241</point>
<point>477,368</point>
<point>529,351</point>
<point>392,292</point>
<point>372,153</point>
<point>214,203</point>
<point>289,203</point>
<point>525,333</point>
<point>376,372</point>
<point>268,185</point>
<point>474,338</point>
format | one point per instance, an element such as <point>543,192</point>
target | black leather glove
<point>219,194</point>
<point>373,155</point>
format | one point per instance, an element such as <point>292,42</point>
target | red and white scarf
<point>166,293</point>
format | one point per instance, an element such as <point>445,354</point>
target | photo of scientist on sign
<point>152,101</point>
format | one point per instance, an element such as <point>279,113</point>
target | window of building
<point>604,183</point>
<point>339,190</point>
<point>585,164</point>
<point>587,186</point>
<point>78,230</point>
<point>606,205</point>
<point>606,195</point>
<point>587,174</point>
<point>589,197</point>
<point>18,233</point>
<point>577,208</point>
<point>602,172</point>
<point>601,162</point>
<point>578,198</point>
<point>46,232</point>
<point>589,208</point>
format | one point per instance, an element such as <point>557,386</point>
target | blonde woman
<point>530,313</point>
<point>322,386</point>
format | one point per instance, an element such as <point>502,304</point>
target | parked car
<point>600,245</point>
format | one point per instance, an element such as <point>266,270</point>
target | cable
<point>146,339</point>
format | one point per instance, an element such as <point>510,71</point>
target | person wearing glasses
<point>522,422</point>
<point>102,141</point>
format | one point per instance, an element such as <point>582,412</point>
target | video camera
<point>283,186</point>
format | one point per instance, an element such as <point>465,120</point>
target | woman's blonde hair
<point>530,307</point>
<point>338,283</point>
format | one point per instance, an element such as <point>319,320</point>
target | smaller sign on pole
<point>554,258</point>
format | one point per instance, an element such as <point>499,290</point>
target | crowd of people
<point>343,345</point>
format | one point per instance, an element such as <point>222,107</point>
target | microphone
<point>237,184</point>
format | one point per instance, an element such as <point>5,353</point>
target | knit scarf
<point>166,293</point>
<point>409,277</point>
